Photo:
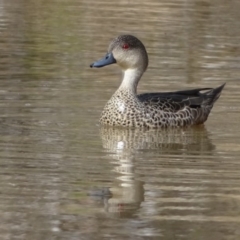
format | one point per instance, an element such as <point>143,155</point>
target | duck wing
<point>175,101</point>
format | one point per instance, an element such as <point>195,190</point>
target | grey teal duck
<point>152,110</point>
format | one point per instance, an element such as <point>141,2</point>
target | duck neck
<point>130,80</point>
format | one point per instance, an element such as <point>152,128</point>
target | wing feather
<point>175,101</point>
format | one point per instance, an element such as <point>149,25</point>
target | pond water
<point>62,176</point>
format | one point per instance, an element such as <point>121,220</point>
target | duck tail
<point>213,95</point>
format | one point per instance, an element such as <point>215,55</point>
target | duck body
<point>150,110</point>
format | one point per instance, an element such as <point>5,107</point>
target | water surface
<point>62,176</point>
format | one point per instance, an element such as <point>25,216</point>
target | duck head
<point>127,51</point>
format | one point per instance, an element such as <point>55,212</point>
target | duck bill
<point>107,60</point>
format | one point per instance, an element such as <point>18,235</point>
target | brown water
<point>62,176</point>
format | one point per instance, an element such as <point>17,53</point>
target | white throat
<point>130,80</point>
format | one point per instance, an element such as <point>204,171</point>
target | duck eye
<point>125,46</point>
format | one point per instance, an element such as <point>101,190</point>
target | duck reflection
<point>127,147</point>
<point>127,141</point>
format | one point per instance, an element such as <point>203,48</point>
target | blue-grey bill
<point>107,60</point>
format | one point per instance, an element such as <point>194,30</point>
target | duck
<point>126,108</point>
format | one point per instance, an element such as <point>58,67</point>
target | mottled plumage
<point>153,110</point>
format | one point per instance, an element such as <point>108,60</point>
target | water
<point>62,176</point>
